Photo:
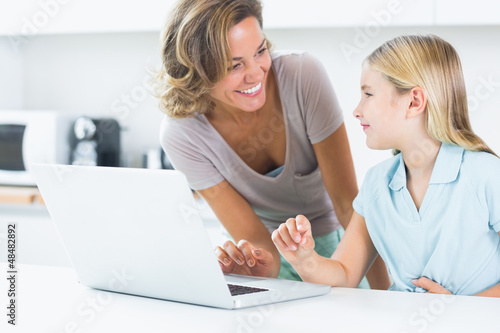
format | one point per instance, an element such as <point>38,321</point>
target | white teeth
<point>252,90</point>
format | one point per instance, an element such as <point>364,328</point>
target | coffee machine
<point>95,142</point>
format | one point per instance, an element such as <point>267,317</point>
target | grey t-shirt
<point>311,113</point>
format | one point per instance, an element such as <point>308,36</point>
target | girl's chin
<point>375,145</point>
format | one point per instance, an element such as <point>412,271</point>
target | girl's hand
<point>431,286</point>
<point>294,239</point>
<point>244,259</point>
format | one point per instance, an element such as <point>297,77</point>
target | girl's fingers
<point>284,232</point>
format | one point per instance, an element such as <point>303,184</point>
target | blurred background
<point>95,58</point>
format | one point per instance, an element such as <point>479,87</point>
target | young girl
<point>432,212</point>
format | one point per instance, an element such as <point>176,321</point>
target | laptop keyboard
<point>241,290</point>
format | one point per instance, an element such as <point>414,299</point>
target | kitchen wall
<point>11,75</point>
<point>106,75</point>
<point>478,50</point>
<point>100,75</point>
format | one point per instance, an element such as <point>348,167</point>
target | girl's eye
<point>368,94</point>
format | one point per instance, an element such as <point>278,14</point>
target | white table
<point>51,300</point>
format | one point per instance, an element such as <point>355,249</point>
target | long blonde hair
<point>433,64</point>
<point>196,52</point>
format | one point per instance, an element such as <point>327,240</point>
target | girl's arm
<point>347,266</point>
<point>493,291</point>
<point>254,252</point>
<point>435,288</point>
<point>336,165</point>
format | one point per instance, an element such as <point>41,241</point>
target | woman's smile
<point>252,91</point>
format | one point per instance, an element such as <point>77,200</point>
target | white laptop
<point>137,231</point>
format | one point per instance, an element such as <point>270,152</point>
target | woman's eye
<point>262,51</point>
<point>236,66</point>
<point>368,94</point>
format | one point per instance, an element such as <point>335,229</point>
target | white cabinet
<point>466,12</point>
<point>340,13</point>
<point>32,17</point>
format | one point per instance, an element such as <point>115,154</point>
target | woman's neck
<point>236,116</point>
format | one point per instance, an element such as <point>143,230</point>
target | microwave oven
<point>26,137</point>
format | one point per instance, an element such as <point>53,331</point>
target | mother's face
<point>244,87</point>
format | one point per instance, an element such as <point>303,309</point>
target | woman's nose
<point>255,72</point>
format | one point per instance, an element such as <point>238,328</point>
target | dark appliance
<point>96,142</point>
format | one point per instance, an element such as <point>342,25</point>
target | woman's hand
<point>431,286</point>
<point>294,240</point>
<point>244,259</point>
<point>255,242</point>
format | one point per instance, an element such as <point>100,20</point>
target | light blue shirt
<point>453,239</point>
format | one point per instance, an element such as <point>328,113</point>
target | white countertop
<point>51,300</point>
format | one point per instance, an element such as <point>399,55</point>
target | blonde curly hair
<point>196,52</point>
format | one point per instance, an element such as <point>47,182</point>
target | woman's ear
<point>418,102</point>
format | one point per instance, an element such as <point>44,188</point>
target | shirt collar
<point>445,169</point>
<point>399,177</point>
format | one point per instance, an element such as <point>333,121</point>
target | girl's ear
<point>418,102</point>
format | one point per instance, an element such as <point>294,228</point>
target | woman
<point>258,135</point>
<point>432,211</point>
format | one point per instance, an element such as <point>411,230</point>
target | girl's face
<point>381,111</point>
<point>244,87</point>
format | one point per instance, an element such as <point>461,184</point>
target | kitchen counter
<point>50,299</point>
<point>20,195</point>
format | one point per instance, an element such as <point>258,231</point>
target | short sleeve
<point>322,111</point>
<point>185,151</point>
<point>492,193</point>
<point>357,204</point>
<point>369,188</point>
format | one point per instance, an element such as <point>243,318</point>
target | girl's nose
<point>357,112</point>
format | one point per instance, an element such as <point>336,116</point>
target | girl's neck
<point>420,156</point>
